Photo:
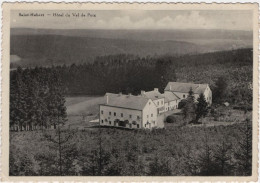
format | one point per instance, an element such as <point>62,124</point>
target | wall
<point>172,104</point>
<point>208,95</point>
<point>149,109</point>
<point>166,104</point>
<point>126,112</point>
<point>159,104</point>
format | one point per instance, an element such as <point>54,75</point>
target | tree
<point>61,145</point>
<point>56,101</point>
<point>205,162</point>
<point>98,159</point>
<point>244,153</point>
<point>202,108</point>
<point>189,109</point>
<point>18,105</point>
<point>159,167</point>
<point>165,71</point>
<point>223,159</point>
<point>220,90</point>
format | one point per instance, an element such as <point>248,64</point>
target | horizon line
<point>131,29</point>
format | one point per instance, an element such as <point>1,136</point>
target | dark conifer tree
<point>220,90</point>
<point>206,163</point>
<point>189,108</point>
<point>18,104</point>
<point>244,153</point>
<point>201,108</point>
<point>56,101</point>
<point>222,156</point>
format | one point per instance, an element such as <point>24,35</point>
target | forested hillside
<point>47,50</point>
<point>130,74</point>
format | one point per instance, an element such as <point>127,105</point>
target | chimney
<point>129,94</point>
<point>107,99</point>
<point>142,92</point>
<point>156,89</point>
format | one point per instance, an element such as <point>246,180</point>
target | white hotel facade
<point>128,111</point>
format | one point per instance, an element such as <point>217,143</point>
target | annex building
<point>181,90</point>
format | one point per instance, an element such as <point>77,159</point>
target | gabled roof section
<point>153,95</point>
<point>185,87</point>
<point>126,101</point>
<point>169,96</point>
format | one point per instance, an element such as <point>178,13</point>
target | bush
<point>171,119</point>
<point>182,104</point>
<point>243,107</point>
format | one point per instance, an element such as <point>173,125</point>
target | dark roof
<point>154,95</point>
<point>126,101</point>
<point>169,96</point>
<point>185,87</point>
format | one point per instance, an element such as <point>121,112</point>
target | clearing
<point>81,110</point>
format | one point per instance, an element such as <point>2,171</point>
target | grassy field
<point>81,110</point>
<point>88,105</point>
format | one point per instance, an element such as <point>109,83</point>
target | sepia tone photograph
<point>131,92</point>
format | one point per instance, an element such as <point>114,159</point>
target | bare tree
<point>60,139</point>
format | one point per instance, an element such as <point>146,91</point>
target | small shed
<point>226,104</point>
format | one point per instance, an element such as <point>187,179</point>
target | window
<point>110,113</point>
<point>101,112</point>
<point>145,125</point>
<point>137,125</point>
<point>162,102</point>
<point>183,96</point>
<point>114,114</point>
<point>130,116</point>
<point>110,122</point>
<point>122,115</point>
<point>102,121</point>
<point>149,103</point>
<point>138,117</point>
<point>151,115</point>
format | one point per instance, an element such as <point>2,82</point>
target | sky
<point>136,19</point>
